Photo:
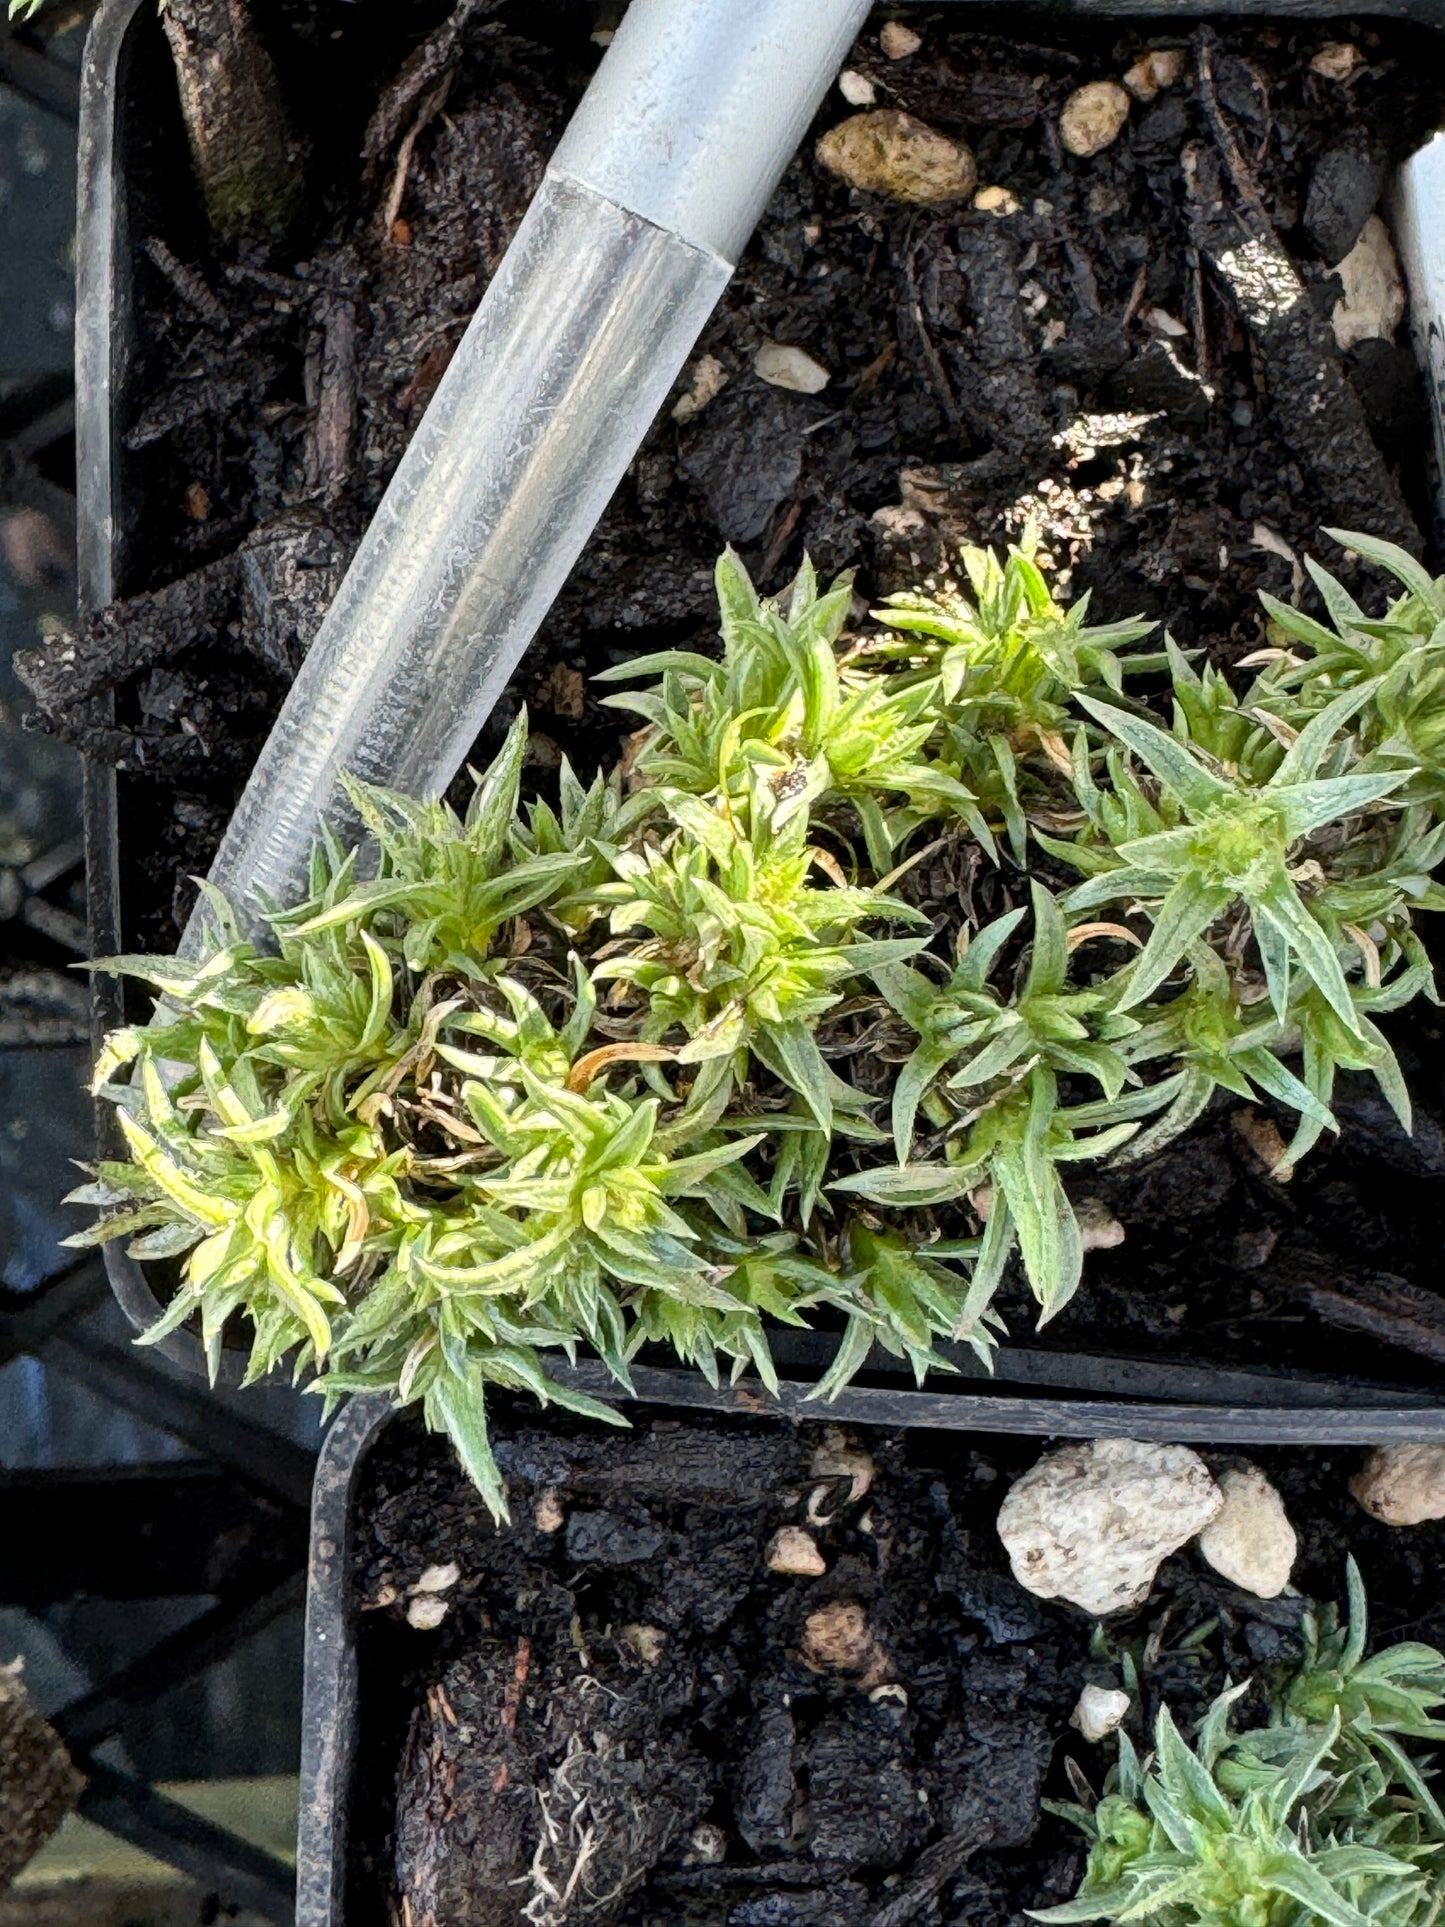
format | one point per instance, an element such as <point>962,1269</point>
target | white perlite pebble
<point>1403,1485</point>
<point>787,367</point>
<point>1092,117</point>
<point>996,200</point>
<point>708,378</point>
<point>794,1551</point>
<point>898,41</point>
<point>1099,1711</point>
<point>1252,1543</point>
<point>1336,60</point>
<point>1373,303</point>
<point>426,1612</point>
<point>857,89</point>
<point>438,1578</point>
<point>1091,1523</point>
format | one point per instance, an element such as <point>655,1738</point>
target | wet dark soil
<point>1084,361</point>
<point>636,1674</point>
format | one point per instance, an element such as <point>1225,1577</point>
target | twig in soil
<point>1198,319</point>
<point>1317,411</point>
<point>436,56</point>
<point>938,375</point>
<point>782,536</point>
<point>336,403</point>
<point>1240,172</point>
<point>188,284</point>
<point>934,1867</point>
<point>430,107</point>
<point>1385,1308</point>
<point>1136,297</point>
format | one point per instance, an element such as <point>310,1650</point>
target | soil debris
<point>838,1638</point>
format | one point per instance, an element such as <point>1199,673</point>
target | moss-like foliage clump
<point>707,1044</point>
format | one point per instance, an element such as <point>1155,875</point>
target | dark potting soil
<point>620,1680</point>
<point>1085,362</point>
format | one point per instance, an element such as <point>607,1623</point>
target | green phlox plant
<point>699,1047</point>
<point>1323,1815</point>
<point>1006,665</point>
<point>1400,656</point>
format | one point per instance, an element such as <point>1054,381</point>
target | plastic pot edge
<point>331,1685</point>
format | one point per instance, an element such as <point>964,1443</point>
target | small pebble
<point>857,89</point>
<point>1091,1523</point>
<point>996,200</point>
<point>837,1457</point>
<point>438,1578</point>
<point>1402,1485</point>
<point>838,1638</point>
<point>1099,1711</point>
<point>196,502</point>
<point>1336,60</point>
<point>891,153</point>
<point>1373,304</point>
<point>426,1612</point>
<point>648,1642</point>
<point>709,377</point>
<point>548,1514</point>
<point>1251,1543</point>
<point>1164,323</point>
<point>792,1550</point>
<point>1152,72</point>
<point>1099,1229</point>
<point>707,1845</point>
<point>1093,117</point>
<point>1264,1140</point>
<point>898,41</point>
<point>784,366</point>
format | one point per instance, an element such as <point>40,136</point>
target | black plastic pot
<point>331,1709</point>
<point>125,145</point>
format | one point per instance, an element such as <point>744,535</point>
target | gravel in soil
<point>1071,347</point>
<point>622,1697</point>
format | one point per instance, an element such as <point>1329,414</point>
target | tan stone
<point>1251,1543</point>
<point>784,366</point>
<point>891,153</point>
<point>838,1639</point>
<point>1152,72</point>
<point>1403,1485</point>
<point>898,41</point>
<point>1093,117</point>
<point>1373,303</point>
<point>794,1551</point>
